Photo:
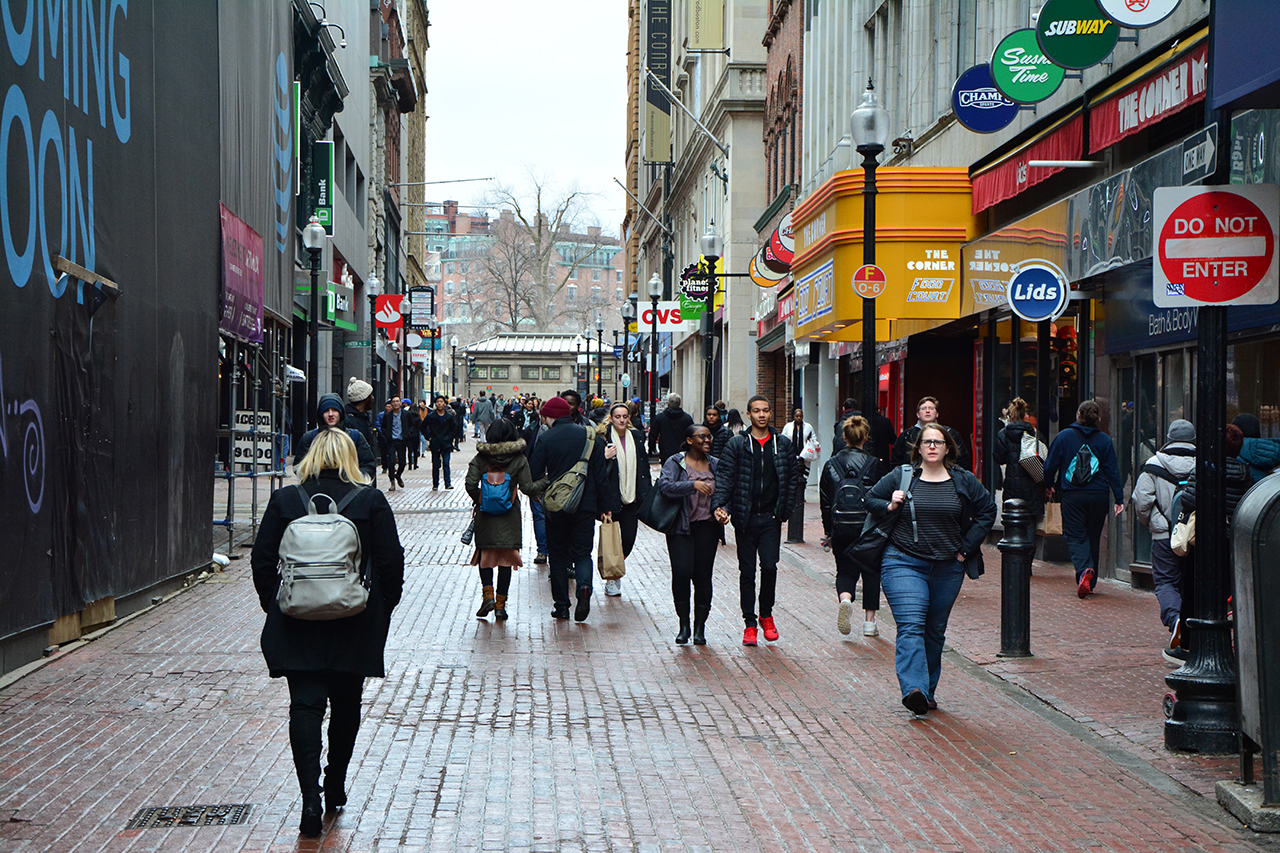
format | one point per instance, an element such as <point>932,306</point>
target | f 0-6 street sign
<point>1216,245</point>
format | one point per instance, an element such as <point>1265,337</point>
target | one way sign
<point>1199,155</point>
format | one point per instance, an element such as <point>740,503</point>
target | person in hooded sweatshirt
<point>1008,450</point>
<point>1084,502</point>
<point>1170,467</point>
<point>331,414</point>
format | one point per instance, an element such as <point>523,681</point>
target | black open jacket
<point>733,477</point>
<point>977,511</point>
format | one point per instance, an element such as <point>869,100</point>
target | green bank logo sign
<point>1075,33</point>
<point>1020,69</point>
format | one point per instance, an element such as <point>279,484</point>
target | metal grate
<point>164,817</point>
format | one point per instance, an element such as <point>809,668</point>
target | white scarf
<point>626,465</point>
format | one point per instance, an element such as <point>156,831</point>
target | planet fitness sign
<point>978,104</point>
<point>1038,291</point>
<point>1074,33</point>
<point>1022,71</point>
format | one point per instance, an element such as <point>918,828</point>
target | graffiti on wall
<point>21,422</point>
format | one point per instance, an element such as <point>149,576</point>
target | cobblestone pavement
<point>545,735</point>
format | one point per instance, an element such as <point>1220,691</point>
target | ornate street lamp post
<point>655,293</point>
<point>313,237</point>
<point>712,247</point>
<point>869,127</point>
<point>599,355</point>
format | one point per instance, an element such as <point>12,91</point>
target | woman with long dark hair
<point>943,517</point>
<point>326,662</point>
<point>690,477</point>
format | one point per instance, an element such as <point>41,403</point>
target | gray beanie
<point>1181,430</point>
<point>358,390</point>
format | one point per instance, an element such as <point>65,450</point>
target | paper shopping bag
<point>1052,524</point>
<point>609,556</point>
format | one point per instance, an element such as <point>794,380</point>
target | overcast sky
<point>515,85</point>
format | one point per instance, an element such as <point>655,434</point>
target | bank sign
<point>1074,33</point>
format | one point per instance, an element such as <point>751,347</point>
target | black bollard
<point>1016,549</point>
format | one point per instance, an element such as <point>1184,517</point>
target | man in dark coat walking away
<point>460,413</point>
<point>570,536</point>
<point>756,484</point>
<point>440,428</point>
<point>667,431</point>
<point>413,437</point>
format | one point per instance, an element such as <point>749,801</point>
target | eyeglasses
<point>933,442</point>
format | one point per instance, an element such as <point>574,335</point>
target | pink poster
<point>241,279</point>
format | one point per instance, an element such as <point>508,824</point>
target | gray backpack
<point>320,561</point>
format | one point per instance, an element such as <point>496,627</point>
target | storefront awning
<point>1010,176</point>
<point>1168,84</point>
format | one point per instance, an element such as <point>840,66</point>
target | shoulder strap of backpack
<point>351,495</point>
<point>591,444</point>
<point>905,486</point>
<point>1157,470</point>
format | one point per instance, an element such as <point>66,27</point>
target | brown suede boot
<point>501,610</point>
<point>487,604</point>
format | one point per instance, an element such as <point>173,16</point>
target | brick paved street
<point>545,735</point>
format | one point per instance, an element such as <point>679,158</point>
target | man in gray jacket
<point>1153,493</point>
<point>482,415</point>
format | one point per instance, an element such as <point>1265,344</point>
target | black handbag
<point>869,547</point>
<point>659,511</point>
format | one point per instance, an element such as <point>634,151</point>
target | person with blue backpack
<point>1082,466</point>
<point>496,471</point>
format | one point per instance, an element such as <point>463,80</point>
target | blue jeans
<point>920,594</point>
<point>539,525</point>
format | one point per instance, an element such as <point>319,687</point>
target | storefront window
<point>1253,383</point>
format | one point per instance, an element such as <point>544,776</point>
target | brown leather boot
<point>500,611</point>
<point>487,604</point>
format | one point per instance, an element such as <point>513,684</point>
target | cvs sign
<point>669,318</point>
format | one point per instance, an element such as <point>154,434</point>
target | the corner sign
<point>1022,71</point>
<point>978,104</point>
<point>1137,14</point>
<point>1075,33</point>
<point>1038,291</point>
<point>1216,245</point>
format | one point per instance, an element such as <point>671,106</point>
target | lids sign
<point>1022,71</point>
<point>1216,245</point>
<point>978,104</point>
<point>1038,291</point>
<point>1075,33</point>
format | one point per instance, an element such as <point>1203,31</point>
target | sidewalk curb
<point>1050,713</point>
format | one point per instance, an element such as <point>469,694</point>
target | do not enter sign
<point>1216,245</point>
<point>869,281</point>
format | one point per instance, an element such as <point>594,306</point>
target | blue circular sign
<point>978,104</point>
<point>1038,291</point>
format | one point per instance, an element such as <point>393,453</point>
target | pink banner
<point>241,279</point>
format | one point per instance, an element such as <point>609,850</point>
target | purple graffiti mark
<point>31,425</point>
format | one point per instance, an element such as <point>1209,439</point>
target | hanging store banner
<point>1173,86</point>
<point>1137,14</point>
<point>1075,34</point>
<point>1013,175</point>
<point>241,279</point>
<point>322,183</point>
<point>657,107</point>
<point>706,24</point>
<point>978,104</point>
<point>386,310</point>
<point>1022,71</point>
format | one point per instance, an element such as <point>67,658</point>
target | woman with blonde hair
<point>326,662</point>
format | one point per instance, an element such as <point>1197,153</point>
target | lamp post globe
<point>869,127</point>
<point>313,236</point>
<point>628,317</point>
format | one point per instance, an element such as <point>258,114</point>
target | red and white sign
<point>1167,90</point>
<point>1216,245</point>
<point>1014,175</point>
<point>386,310</point>
<point>669,319</point>
<point>869,281</point>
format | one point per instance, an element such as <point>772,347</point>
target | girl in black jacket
<point>326,662</point>
<point>937,540</point>
<point>856,463</point>
<point>624,442</point>
<point>1008,450</point>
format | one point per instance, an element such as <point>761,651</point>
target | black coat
<point>977,511</point>
<point>361,421</point>
<point>364,453</point>
<point>352,645</point>
<point>883,437</point>
<point>666,431</point>
<point>719,439</point>
<point>846,462</point>
<point>1017,482</point>
<point>440,430</point>
<point>733,477</point>
<point>412,423</point>
<point>559,449</point>
<point>644,480</point>
<point>902,446</point>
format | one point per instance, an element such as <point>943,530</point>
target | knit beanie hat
<point>1250,426</point>
<point>358,390</point>
<point>556,407</point>
<point>1181,430</point>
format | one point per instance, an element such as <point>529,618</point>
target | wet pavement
<point>542,735</point>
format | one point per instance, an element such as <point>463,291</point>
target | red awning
<point>1170,88</point>
<point>1012,176</point>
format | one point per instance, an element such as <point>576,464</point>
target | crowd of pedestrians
<point>901,514</point>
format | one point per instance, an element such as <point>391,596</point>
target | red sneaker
<point>749,637</point>
<point>770,630</point>
<point>1086,583</point>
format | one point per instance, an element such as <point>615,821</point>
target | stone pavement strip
<point>546,736</point>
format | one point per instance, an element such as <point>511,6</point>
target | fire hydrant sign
<point>1216,245</point>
